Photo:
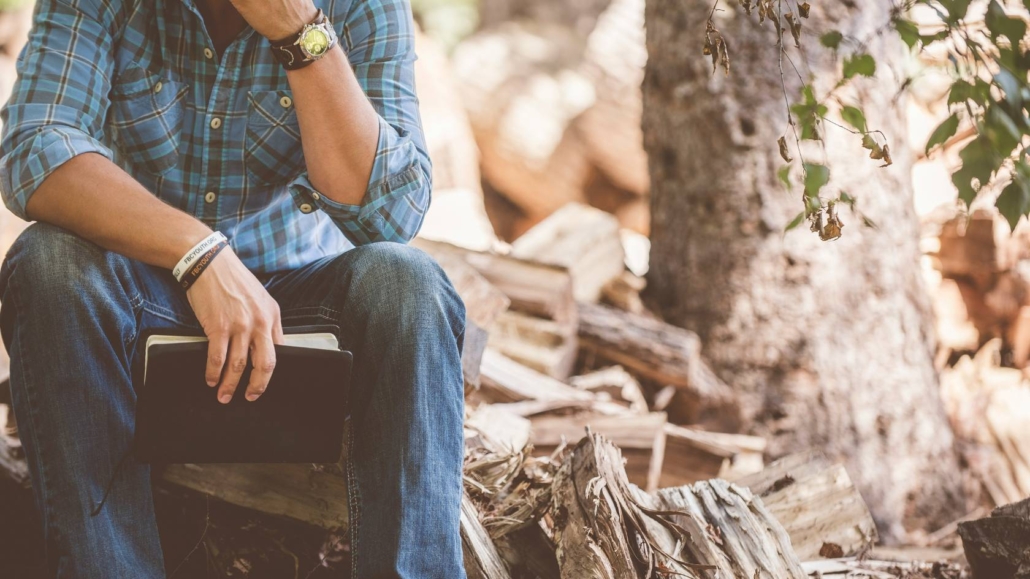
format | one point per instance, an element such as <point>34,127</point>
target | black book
<point>299,418</point>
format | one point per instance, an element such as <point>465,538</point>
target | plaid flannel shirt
<point>216,136</point>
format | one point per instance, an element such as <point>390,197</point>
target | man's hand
<point>238,316</point>
<point>276,19</point>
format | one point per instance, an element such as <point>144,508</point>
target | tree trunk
<point>828,344</point>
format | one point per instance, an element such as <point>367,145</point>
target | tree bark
<point>828,344</point>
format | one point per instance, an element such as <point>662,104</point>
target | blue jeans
<point>70,317</point>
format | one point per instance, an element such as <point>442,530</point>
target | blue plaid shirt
<point>214,135</point>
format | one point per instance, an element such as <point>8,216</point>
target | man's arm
<point>367,165</point>
<point>54,169</point>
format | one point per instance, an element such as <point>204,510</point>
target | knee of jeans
<point>47,259</point>
<point>403,284</point>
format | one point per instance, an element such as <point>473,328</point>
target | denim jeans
<point>70,317</point>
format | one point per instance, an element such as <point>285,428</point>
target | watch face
<point>315,42</point>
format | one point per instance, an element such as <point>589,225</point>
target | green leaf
<point>798,220</point>
<point>908,31</point>
<point>784,175</point>
<point>859,64</point>
<point>854,117</point>
<point>1014,202</point>
<point>832,39</point>
<point>1001,130</point>
<point>979,162</point>
<point>816,176</point>
<point>847,199</point>
<point>1000,24</point>
<point>942,133</point>
<point>957,9</point>
<point>962,91</point>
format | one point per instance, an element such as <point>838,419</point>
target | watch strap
<point>291,54</point>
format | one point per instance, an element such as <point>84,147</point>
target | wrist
<point>197,253</point>
<point>288,28</point>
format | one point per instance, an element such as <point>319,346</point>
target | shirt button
<point>316,196</point>
<point>158,86</point>
<point>306,208</point>
<point>216,122</point>
<point>208,53</point>
<point>210,197</point>
<point>286,102</point>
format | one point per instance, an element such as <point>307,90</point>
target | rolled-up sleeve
<point>59,102</point>
<point>383,57</point>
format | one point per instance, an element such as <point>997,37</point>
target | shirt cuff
<point>24,169</point>
<point>392,207</point>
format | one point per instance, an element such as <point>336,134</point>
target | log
<point>507,381</point>
<point>536,289</point>
<point>640,438</point>
<point>492,428</point>
<point>816,503</point>
<point>693,455</point>
<point>615,382</point>
<point>299,491</point>
<point>606,528</point>
<point>582,239</point>
<point>998,546</point>
<point>543,345</point>
<point>663,354</point>
<point>744,539</point>
<point>482,561</point>
<point>600,526</point>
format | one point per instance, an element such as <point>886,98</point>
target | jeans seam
<point>354,499</point>
<point>49,522</point>
<point>307,311</point>
<point>165,313</point>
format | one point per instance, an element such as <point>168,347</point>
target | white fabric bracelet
<point>197,251</point>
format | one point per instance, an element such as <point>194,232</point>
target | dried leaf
<point>747,6</point>
<point>715,46</point>
<point>831,229</point>
<point>784,153</point>
<point>795,28</point>
<point>804,9</point>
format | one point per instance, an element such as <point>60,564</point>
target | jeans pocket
<point>146,119</point>
<point>272,152</point>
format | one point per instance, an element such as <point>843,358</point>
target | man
<point>138,133</point>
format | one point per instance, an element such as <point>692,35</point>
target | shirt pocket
<point>146,119</point>
<point>272,152</point>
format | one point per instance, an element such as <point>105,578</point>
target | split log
<point>617,383</point>
<point>732,531</point>
<point>482,561</point>
<point>537,289</point>
<point>543,345</point>
<point>693,455</point>
<point>583,240</point>
<point>816,503</point>
<point>640,438</point>
<point>664,354</point>
<point>494,429</point>
<point>623,293</point>
<point>606,528</point>
<point>998,546</point>
<point>529,552</point>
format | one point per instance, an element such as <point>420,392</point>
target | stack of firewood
<point>598,443</point>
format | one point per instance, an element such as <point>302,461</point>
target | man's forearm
<point>94,198</point>
<point>339,128</point>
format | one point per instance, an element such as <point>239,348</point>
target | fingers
<point>263,354</point>
<point>216,347</point>
<point>235,364</point>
